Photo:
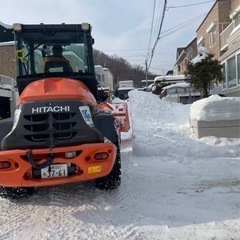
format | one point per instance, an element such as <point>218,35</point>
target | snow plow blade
<point>119,111</point>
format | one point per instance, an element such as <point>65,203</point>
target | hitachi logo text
<point>51,109</point>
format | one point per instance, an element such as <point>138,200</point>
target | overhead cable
<point>158,36</point>
<point>153,14</point>
<point>189,5</point>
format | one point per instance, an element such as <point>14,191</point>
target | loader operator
<point>57,62</point>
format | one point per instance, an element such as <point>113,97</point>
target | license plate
<point>54,171</point>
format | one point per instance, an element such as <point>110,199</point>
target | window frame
<point>230,82</point>
<point>213,36</point>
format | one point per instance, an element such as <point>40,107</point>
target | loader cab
<point>35,57</point>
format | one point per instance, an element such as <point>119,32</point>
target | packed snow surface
<point>174,187</point>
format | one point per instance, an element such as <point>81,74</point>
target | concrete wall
<point>221,129</point>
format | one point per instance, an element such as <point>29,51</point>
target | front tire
<point>113,179</point>
<point>16,193</point>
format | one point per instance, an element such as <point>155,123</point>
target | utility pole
<point>146,74</point>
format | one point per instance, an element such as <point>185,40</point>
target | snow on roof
<point>215,108</point>
<point>202,54</point>
<point>5,25</point>
<point>125,88</point>
<point>10,43</point>
<point>170,77</point>
<point>181,84</point>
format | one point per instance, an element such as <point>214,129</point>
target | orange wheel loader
<point>59,134</point>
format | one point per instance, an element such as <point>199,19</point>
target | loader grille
<point>41,127</point>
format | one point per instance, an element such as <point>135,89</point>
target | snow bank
<point>216,108</point>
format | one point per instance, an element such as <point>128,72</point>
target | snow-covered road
<point>174,187</point>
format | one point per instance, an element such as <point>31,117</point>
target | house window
<point>224,85</point>
<point>201,41</point>
<point>212,36</point>
<point>236,20</point>
<point>231,72</point>
<point>238,66</point>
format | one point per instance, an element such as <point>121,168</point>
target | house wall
<point>7,61</point>
<point>226,46</point>
<point>218,16</point>
<point>234,4</point>
<point>230,60</point>
<point>180,65</point>
<point>187,54</point>
<point>191,51</point>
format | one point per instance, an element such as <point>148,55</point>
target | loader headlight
<point>17,26</point>
<point>16,117</point>
<point>85,26</point>
<point>70,154</point>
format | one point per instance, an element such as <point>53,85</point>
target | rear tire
<point>10,192</point>
<point>113,179</point>
<point>16,193</point>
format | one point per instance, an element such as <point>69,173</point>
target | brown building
<point>7,56</point>
<point>184,55</point>
<point>230,59</point>
<point>7,60</point>
<point>219,32</point>
<point>208,33</point>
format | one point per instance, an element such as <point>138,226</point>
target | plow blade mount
<point>119,111</point>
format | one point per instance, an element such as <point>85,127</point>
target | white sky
<point>119,27</point>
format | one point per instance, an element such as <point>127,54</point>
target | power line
<point>166,33</point>
<point>189,5</point>
<point>158,37</point>
<point>153,14</point>
<point>184,23</point>
<point>180,26</point>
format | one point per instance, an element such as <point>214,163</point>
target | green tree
<point>203,73</point>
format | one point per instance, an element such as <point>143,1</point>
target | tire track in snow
<point>33,225</point>
<point>75,211</point>
<point>14,216</point>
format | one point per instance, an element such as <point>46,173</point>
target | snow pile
<point>161,128</point>
<point>216,108</point>
<point>117,100</point>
